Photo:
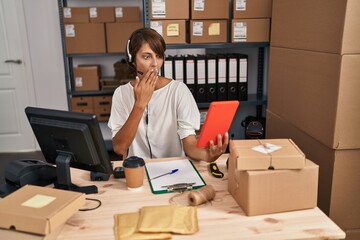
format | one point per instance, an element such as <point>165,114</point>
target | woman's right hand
<point>144,87</point>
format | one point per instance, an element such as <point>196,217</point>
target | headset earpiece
<point>128,52</point>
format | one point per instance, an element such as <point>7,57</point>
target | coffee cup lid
<point>133,162</point>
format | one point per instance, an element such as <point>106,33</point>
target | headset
<point>128,54</point>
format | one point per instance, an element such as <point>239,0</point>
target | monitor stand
<point>64,176</point>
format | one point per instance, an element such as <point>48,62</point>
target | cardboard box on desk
<point>39,210</point>
<point>273,191</point>
<point>266,153</point>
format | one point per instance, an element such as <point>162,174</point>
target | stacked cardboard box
<point>313,95</point>
<point>271,176</point>
<point>209,21</point>
<point>251,21</point>
<point>83,35</point>
<point>99,29</point>
<point>99,105</point>
<point>170,19</point>
<point>127,20</point>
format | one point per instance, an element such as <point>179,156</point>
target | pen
<point>168,173</point>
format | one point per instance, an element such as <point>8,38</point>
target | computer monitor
<point>70,139</point>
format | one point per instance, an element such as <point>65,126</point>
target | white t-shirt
<point>172,114</point>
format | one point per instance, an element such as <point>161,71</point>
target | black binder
<point>168,67</point>
<point>200,79</point>
<point>190,73</point>
<point>243,77</point>
<point>221,78</point>
<point>210,70</point>
<point>179,68</point>
<point>233,76</point>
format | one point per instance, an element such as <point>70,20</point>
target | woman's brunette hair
<point>141,36</point>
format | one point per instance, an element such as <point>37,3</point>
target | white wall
<point>43,31</point>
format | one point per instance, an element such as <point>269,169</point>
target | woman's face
<point>147,59</point>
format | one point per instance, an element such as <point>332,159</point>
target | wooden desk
<point>222,219</point>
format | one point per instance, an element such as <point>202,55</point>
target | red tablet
<point>218,120</point>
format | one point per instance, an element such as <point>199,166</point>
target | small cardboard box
<point>86,78</point>
<point>208,31</point>
<point>85,38</point>
<point>250,30</point>
<point>101,14</point>
<point>169,9</point>
<point>117,35</point>
<point>273,191</point>
<point>266,153</point>
<point>252,9</point>
<point>127,14</point>
<point>39,210</point>
<point>173,31</point>
<point>210,9</point>
<point>76,14</point>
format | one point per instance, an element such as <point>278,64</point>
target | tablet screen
<point>218,121</point>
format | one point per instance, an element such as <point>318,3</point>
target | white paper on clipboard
<point>186,173</point>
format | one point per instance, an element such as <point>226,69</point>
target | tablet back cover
<point>218,121</point>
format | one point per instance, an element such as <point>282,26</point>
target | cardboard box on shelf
<point>339,192</point>
<point>86,78</point>
<point>39,210</point>
<point>273,191</point>
<point>102,101</point>
<point>318,93</point>
<point>117,35</point>
<point>85,38</point>
<point>103,113</point>
<point>210,9</point>
<point>82,103</point>
<point>323,25</point>
<point>250,30</point>
<point>252,9</point>
<point>173,31</point>
<point>101,14</point>
<point>169,9</point>
<point>127,14</point>
<point>76,14</point>
<point>263,154</point>
<point>208,31</point>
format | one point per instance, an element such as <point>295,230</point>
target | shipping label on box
<point>266,154</point>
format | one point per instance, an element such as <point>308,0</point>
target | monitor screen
<point>70,139</point>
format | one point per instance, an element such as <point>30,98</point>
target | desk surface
<point>220,219</point>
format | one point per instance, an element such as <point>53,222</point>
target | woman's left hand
<point>215,151</point>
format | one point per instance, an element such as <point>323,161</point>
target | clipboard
<point>186,173</point>
<point>217,121</point>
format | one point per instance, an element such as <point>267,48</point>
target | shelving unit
<point>258,100</point>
